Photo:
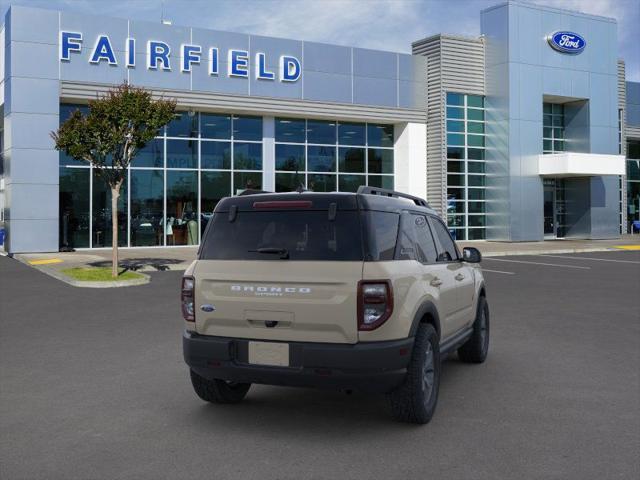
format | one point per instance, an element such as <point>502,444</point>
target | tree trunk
<point>115,193</point>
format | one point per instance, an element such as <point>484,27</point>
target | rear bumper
<point>368,367</point>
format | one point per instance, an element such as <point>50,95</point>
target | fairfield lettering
<point>160,57</point>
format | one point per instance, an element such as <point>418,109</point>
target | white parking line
<point>535,263</point>
<point>591,258</point>
<point>497,271</point>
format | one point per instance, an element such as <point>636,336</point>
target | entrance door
<point>549,207</point>
<point>554,208</point>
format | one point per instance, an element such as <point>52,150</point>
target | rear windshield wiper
<point>283,252</point>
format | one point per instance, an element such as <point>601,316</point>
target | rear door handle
<point>436,282</point>
<point>459,277</point>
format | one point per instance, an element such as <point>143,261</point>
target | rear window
<point>267,235</point>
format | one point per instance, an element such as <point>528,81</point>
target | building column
<point>31,113</point>
<point>410,158</point>
<point>268,154</point>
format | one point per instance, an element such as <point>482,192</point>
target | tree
<point>117,126</point>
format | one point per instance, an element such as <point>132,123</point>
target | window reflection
<point>182,208</point>
<point>214,186</point>
<point>184,124</point>
<point>101,216</point>
<point>74,207</point>
<point>147,191</point>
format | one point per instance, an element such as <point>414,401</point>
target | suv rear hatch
<point>281,267</point>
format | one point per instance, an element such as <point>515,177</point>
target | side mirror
<point>471,255</point>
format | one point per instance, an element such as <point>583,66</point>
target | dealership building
<point>525,133</point>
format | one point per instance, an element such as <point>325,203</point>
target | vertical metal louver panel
<point>454,64</point>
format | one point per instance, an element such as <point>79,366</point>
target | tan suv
<point>355,291</point>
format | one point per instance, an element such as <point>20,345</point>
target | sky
<point>378,24</point>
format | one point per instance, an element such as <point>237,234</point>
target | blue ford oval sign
<point>567,42</point>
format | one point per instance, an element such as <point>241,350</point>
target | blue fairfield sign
<point>567,42</point>
<point>160,57</point>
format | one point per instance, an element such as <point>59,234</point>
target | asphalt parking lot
<point>93,386</point>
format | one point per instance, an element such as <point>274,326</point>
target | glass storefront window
<point>455,113</point>
<point>475,127</point>
<point>101,216</point>
<point>476,115</point>
<point>465,163</point>
<point>247,128</point>
<point>477,234</point>
<point>147,195</point>
<point>455,139</point>
<point>455,180</point>
<point>288,182</point>
<point>290,130</point>
<point>476,167</point>
<point>321,159</point>
<point>66,109</point>
<point>215,155</point>
<point>380,135</point>
<point>181,225</point>
<point>182,154</point>
<point>381,181</point>
<point>350,183</point>
<point>214,186</point>
<point>380,161</point>
<point>246,181</point>
<point>322,132</point>
<point>455,126</point>
<point>247,156</point>
<point>152,155</point>
<point>475,154</point>
<point>475,140</point>
<point>321,183</point>
<point>351,160</point>
<point>455,167</point>
<point>454,193</point>
<point>455,98</point>
<point>476,194</point>
<point>290,158</point>
<point>475,101</point>
<point>215,126</point>
<point>455,152</point>
<point>476,207</point>
<point>351,133</point>
<point>74,207</point>
<point>185,124</point>
<point>455,207</point>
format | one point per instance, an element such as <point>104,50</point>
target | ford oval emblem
<point>207,308</point>
<point>567,42</point>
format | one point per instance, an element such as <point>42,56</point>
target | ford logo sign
<point>207,308</point>
<point>567,42</point>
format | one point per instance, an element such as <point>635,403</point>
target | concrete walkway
<point>499,249</point>
<point>179,258</point>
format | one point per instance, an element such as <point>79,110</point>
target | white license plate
<point>269,353</point>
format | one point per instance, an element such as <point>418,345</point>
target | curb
<point>84,284</point>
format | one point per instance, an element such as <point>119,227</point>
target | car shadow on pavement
<point>290,410</point>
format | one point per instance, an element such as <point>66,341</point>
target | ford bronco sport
<point>355,291</point>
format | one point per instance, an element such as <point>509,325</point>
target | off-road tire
<point>413,401</point>
<point>476,348</point>
<point>218,391</point>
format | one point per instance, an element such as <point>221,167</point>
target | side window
<point>447,250</point>
<point>415,240</point>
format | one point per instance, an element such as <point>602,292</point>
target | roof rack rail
<point>383,192</point>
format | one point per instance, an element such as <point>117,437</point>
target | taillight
<point>375,303</point>
<point>186,298</point>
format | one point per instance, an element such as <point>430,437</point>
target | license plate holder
<point>269,353</point>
